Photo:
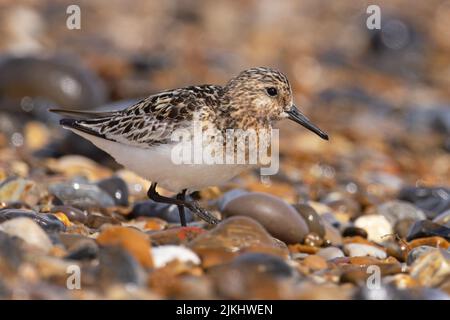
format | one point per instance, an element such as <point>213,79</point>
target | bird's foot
<point>201,213</point>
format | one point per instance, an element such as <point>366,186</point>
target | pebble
<point>426,228</point>
<point>20,190</point>
<point>116,188</point>
<point>278,217</point>
<point>443,219</point>
<point>231,236</point>
<point>175,236</point>
<point>167,212</point>
<point>354,231</point>
<point>432,201</point>
<point>315,262</point>
<point>332,235</point>
<point>135,242</point>
<point>312,219</point>
<point>29,231</point>
<point>162,255</point>
<point>431,268</point>
<point>417,252</point>
<point>48,222</point>
<point>74,214</point>
<point>11,255</point>
<point>376,226</point>
<point>396,210</point>
<point>330,253</point>
<point>360,250</point>
<point>402,227</point>
<point>81,195</point>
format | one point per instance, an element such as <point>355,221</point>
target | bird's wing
<point>148,122</point>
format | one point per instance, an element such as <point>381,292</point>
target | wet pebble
<point>432,201</point>
<point>74,214</point>
<point>426,228</point>
<point>167,212</point>
<point>116,188</point>
<point>278,217</point>
<point>82,195</point>
<point>312,219</point>
<point>354,231</point>
<point>29,231</point>
<point>48,222</point>
<point>361,250</point>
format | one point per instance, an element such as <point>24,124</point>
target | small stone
<point>167,212</point>
<point>48,222</point>
<point>95,221</point>
<point>232,236</point>
<point>162,255</point>
<point>402,227</point>
<point>18,189</point>
<point>426,228</point>
<point>312,239</point>
<point>117,265</point>
<point>396,210</point>
<point>84,251</point>
<point>417,252</point>
<point>315,262</point>
<point>332,235</point>
<point>330,253</point>
<point>82,195</point>
<point>361,250</point>
<point>432,268</point>
<point>436,242</point>
<point>278,217</point>
<point>376,226</point>
<point>135,242</point>
<point>312,219</point>
<point>175,236</point>
<point>116,188</point>
<point>74,214</point>
<point>443,219</point>
<point>354,231</point>
<point>11,254</point>
<point>432,201</point>
<point>29,231</point>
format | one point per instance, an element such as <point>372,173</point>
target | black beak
<point>297,116</point>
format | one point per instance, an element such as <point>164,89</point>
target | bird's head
<point>265,94</point>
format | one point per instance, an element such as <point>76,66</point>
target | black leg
<point>181,196</point>
<point>191,205</point>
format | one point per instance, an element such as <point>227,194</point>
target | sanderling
<point>139,137</point>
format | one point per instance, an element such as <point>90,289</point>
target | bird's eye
<point>272,91</point>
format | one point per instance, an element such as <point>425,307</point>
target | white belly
<point>156,165</point>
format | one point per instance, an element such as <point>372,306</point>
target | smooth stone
<point>312,239</point>
<point>11,255</point>
<point>443,219</point>
<point>233,236</point>
<point>228,196</point>
<point>312,219</point>
<point>354,231</point>
<point>19,190</point>
<point>432,268</point>
<point>361,250</point>
<point>417,252</point>
<point>116,265</point>
<point>135,242</point>
<point>82,195</point>
<point>315,262</point>
<point>279,218</point>
<point>162,255</point>
<point>167,212</point>
<point>29,231</point>
<point>426,228</point>
<point>432,201</point>
<point>175,236</point>
<point>330,253</point>
<point>74,214</point>
<point>376,226</point>
<point>116,188</point>
<point>402,227</point>
<point>48,222</point>
<point>396,210</point>
<point>79,247</point>
<point>96,221</point>
<point>332,235</point>
<point>267,264</point>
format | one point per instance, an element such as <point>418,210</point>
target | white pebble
<point>162,255</point>
<point>29,231</point>
<point>362,250</point>
<point>376,226</point>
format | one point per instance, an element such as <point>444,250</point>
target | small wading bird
<point>139,137</point>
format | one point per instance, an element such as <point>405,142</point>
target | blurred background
<point>382,95</point>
